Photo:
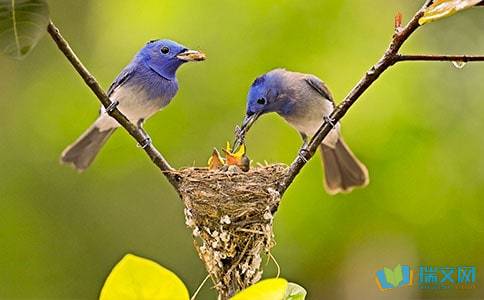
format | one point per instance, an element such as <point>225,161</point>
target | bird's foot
<point>330,121</point>
<point>139,124</point>
<point>147,140</point>
<point>112,107</point>
<point>303,152</point>
<point>146,143</point>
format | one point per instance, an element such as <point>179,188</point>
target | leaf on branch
<point>398,21</point>
<point>445,8</point>
<point>139,278</point>
<point>269,289</point>
<point>295,292</point>
<point>22,25</point>
<point>272,289</point>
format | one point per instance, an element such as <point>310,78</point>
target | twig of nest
<point>230,214</point>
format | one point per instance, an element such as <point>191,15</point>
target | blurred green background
<point>418,129</point>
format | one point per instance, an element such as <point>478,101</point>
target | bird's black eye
<point>165,50</point>
<point>261,101</point>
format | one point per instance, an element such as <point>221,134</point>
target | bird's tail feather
<point>343,171</point>
<point>83,151</point>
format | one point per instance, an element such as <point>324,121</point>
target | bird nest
<point>231,214</point>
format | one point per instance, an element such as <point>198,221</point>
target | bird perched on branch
<point>142,88</point>
<point>304,101</point>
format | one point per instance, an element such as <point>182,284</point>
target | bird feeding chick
<point>233,162</point>
<point>305,102</point>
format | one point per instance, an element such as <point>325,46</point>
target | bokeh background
<point>419,130</point>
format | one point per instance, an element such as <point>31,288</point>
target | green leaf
<point>139,278</point>
<point>269,289</point>
<point>295,292</point>
<point>444,8</point>
<point>22,25</point>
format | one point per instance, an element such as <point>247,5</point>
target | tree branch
<point>458,58</point>
<point>389,58</point>
<point>92,83</point>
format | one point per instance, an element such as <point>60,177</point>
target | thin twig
<point>200,287</point>
<point>132,129</point>
<point>276,263</point>
<point>422,57</point>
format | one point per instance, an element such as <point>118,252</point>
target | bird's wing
<point>122,78</point>
<point>125,74</point>
<point>320,87</point>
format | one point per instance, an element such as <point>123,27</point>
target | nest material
<point>231,216</point>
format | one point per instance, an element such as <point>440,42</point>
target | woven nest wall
<point>230,214</point>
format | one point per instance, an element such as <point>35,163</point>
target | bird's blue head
<point>263,97</point>
<point>165,56</point>
<point>258,96</point>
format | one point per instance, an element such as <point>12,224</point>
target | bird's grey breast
<point>307,106</point>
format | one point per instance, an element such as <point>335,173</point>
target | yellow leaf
<point>269,289</point>
<point>215,161</point>
<point>444,8</point>
<point>139,278</point>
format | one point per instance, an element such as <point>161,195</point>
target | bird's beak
<point>249,120</point>
<point>191,55</point>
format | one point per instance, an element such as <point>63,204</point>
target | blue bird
<point>304,101</point>
<point>143,87</point>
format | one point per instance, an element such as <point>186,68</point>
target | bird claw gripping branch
<point>112,107</point>
<point>146,143</point>
<point>330,121</point>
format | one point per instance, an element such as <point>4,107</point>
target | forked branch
<point>390,57</point>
